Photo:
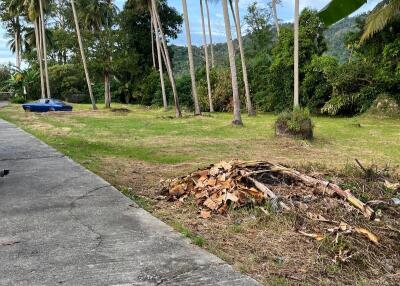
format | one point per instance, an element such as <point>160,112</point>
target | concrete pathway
<point>62,225</point>
<point>3,103</point>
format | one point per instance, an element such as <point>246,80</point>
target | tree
<point>206,58</point>
<point>296,54</point>
<point>249,105</point>
<point>83,56</point>
<point>44,47</point>
<point>274,3</point>
<point>14,28</point>
<point>387,11</point>
<point>154,10</point>
<point>210,34</point>
<point>237,119</point>
<point>191,62</point>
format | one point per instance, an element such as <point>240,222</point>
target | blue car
<point>46,105</point>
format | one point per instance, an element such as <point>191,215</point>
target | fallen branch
<point>268,193</point>
<point>327,187</point>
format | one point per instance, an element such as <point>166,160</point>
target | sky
<point>285,12</point>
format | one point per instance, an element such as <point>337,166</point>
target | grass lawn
<point>135,150</point>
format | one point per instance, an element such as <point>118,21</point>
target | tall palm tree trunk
<point>152,42</point>
<point>296,54</point>
<point>157,23</point>
<point>17,40</point>
<point>275,15</point>
<point>249,105</point>
<point>191,61</point>
<point>210,35</point>
<point>206,56</point>
<point>237,119</point>
<point>107,88</point>
<point>160,65</point>
<point>39,56</point>
<point>46,70</point>
<point>78,33</point>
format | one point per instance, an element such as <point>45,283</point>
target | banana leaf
<point>336,10</point>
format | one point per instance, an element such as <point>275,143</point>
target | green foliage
<point>316,88</point>
<point>221,89</point>
<point>66,79</point>
<point>18,99</point>
<point>294,119</point>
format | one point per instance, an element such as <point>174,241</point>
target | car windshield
<point>57,101</point>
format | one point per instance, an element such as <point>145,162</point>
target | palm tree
<point>191,61</point>
<point>386,12</point>
<point>206,57</point>
<point>274,3</point>
<point>160,61</point>
<point>78,33</point>
<point>44,47</point>
<point>296,54</point>
<point>237,119</point>
<point>210,34</point>
<point>153,9</point>
<point>250,109</point>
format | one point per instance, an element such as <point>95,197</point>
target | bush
<point>66,80</point>
<point>296,123</point>
<point>384,105</point>
<point>18,99</point>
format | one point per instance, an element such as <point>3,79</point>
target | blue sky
<point>285,12</point>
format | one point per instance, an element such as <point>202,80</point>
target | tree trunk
<point>210,35</point>
<point>296,54</point>
<point>107,89</point>
<point>237,119</point>
<point>160,65</point>
<point>46,70</point>
<point>206,56</point>
<point>191,62</point>
<point>249,105</point>
<point>17,44</point>
<point>152,42</point>
<point>78,33</point>
<point>39,55</point>
<point>275,15</point>
<point>157,24</point>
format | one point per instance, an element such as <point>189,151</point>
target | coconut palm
<point>191,61</point>
<point>386,12</point>
<point>83,56</point>
<point>237,119</point>
<point>30,9</point>
<point>206,57</point>
<point>249,105</point>
<point>153,9</point>
<point>160,60</point>
<point>296,54</point>
<point>44,47</point>
<point>210,34</point>
<point>274,3</point>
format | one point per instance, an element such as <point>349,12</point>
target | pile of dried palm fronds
<point>235,184</point>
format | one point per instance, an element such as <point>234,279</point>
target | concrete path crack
<point>99,236</point>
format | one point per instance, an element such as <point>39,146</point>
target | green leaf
<point>336,10</point>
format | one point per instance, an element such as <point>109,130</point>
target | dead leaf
<point>392,186</point>
<point>210,204</point>
<point>177,191</point>
<point>205,214</point>
<point>372,237</point>
<point>316,236</point>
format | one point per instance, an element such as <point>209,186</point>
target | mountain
<point>334,36</point>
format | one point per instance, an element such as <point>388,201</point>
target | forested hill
<point>334,35</point>
<point>335,38</point>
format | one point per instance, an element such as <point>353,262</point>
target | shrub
<point>296,123</point>
<point>18,99</point>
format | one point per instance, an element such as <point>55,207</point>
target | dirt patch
<point>320,240</point>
